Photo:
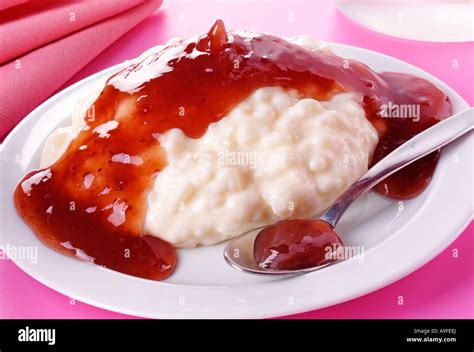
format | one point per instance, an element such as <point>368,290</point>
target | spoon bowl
<point>239,254</point>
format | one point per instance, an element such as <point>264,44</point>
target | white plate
<point>396,241</point>
<point>432,21</point>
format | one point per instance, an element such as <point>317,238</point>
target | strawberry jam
<point>296,244</point>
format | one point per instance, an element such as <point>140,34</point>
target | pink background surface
<point>444,288</point>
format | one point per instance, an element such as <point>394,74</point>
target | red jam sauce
<point>91,203</point>
<point>296,244</point>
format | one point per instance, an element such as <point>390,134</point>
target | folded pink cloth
<point>46,43</point>
<point>10,3</point>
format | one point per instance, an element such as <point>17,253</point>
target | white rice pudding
<point>275,156</point>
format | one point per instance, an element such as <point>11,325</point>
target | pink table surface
<point>443,288</point>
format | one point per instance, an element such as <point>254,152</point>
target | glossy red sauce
<point>296,244</point>
<point>91,203</point>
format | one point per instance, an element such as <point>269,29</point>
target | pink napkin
<point>46,43</point>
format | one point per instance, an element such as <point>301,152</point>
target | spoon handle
<point>423,144</point>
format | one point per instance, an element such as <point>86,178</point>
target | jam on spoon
<point>296,244</point>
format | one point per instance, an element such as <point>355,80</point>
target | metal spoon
<point>239,252</point>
